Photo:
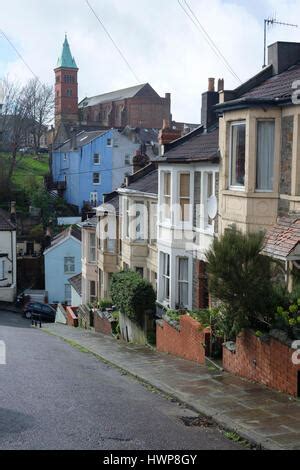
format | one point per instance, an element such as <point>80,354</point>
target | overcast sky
<point>159,41</point>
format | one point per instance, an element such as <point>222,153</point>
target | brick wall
<point>187,342</point>
<point>267,363</point>
<point>102,325</point>
<point>72,319</point>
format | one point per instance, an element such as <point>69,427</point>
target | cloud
<point>162,45</point>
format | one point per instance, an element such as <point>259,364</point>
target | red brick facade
<point>145,110</point>
<point>188,342</point>
<point>269,363</point>
<point>102,325</point>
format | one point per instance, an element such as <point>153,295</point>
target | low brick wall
<point>72,319</point>
<point>188,341</point>
<point>102,325</point>
<point>268,363</point>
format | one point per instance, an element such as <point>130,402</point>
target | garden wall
<point>269,363</point>
<point>188,341</point>
<point>72,319</point>
<point>102,324</point>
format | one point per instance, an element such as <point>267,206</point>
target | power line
<point>18,53</point>
<point>24,172</point>
<point>195,20</point>
<point>113,41</point>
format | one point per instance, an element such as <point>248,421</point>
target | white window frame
<point>99,178</point>
<point>94,197</point>
<point>2,270</point>
<point>168,197</point>
<point>166,278</point>
<point>273,120</point>
<point>182,281</point>
<point>232,186</point>
<point>68,263</point>
<point>98,162</point>
<point>92,248</point>
<point>109,142</point>
<point>181,214</point>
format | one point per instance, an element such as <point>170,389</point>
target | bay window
<point>165,261</point>
<point>167,194</point>
<point>183,282</point>
<point>265,155</point>
<point>184,196</point>
<point>237,154</point>
<point>92,247</point>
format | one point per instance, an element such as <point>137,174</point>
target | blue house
<point>62,262</point>
<point>91,164</point>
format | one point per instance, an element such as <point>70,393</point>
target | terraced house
<point>8,255</point>
<point>260,156</point>
<point>187,207</point>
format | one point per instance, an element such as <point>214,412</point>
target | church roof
<point>117,95</point>
<point>66,60</point>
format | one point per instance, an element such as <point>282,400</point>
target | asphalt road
<point>54,396</point>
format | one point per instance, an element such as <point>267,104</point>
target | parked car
<point>43,150</point>
<point>28,150</point>
<point>46,312</point>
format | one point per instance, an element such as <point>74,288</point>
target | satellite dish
<point>212,207</point>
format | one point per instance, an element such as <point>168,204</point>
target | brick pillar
<point>200,285</point>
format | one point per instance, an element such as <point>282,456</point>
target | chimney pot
<point>221,84</point>
<point>211,84</point>
<point>166,124</point>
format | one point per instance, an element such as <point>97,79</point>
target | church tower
<point>66,88</point>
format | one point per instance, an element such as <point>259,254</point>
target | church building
<point>138,106</point>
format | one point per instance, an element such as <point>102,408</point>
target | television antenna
<point>271,22</point>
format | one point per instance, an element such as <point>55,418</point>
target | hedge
<point>132,295</point>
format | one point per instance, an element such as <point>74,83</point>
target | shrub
<point>174,315</point>
<point>105,303</point>
<point>132,295</point>
<point>240,278</point>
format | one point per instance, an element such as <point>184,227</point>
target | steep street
<point>54,396</point>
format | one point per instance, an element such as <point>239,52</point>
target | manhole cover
<point>200,421</point>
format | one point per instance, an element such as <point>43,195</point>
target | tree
<point>240,278</point>
<point>14,120</point>
<point>41,103</point>
<point>132,295</point>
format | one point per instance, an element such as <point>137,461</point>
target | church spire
<point>66,60</point>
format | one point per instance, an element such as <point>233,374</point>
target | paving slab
<point>268,418</point>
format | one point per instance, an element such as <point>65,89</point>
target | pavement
<point>54,396</point>
<point>265,417</point>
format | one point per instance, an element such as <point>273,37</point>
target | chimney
<point>220,84</point>
<point>283,55</point>
<point>211,84</point>
<point>13,216</point>
<point>209,99</point>
<point>167,134</point>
